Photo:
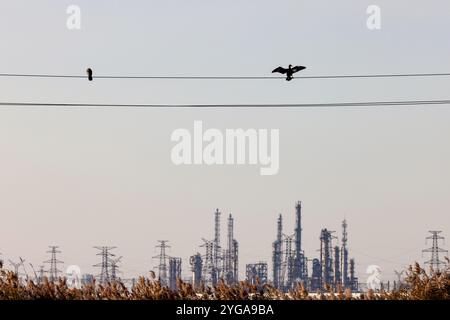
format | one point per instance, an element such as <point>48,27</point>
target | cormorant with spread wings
<point>289,71</point>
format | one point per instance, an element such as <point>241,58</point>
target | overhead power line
<point>356,76</point>
<point>267,105</point>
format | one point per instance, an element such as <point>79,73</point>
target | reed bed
<point>419,284</point>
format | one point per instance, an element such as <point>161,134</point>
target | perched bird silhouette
<point>89,73</point>
<point>289,71</point>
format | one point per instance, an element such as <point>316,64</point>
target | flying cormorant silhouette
<point>89,73</point>
<point>289,71</point>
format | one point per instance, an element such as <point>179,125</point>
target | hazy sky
<point>83,177</point>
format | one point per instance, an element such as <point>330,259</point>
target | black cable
<point>267,105</point>
<point>226,77</point>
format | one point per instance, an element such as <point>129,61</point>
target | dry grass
<point>419,285</point>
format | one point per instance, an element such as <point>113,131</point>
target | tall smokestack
<point>230,233</point>
<point>217,227</point>
<point>277,254</point>
<point>344,256</point>
<point>280,228</point>
<point>216,253</point>
<point>298,229</point>
<point>229,257</point>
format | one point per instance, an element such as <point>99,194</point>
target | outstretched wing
<point>297,68</point>
<point>280,70</point>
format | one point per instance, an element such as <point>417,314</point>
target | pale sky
<point>86,177</point>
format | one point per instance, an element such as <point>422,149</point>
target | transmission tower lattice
<point>163,257</point>
<point>106,265</point>
<point>53,272</point>
<point>435,262</point>
<point>115,268</point>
